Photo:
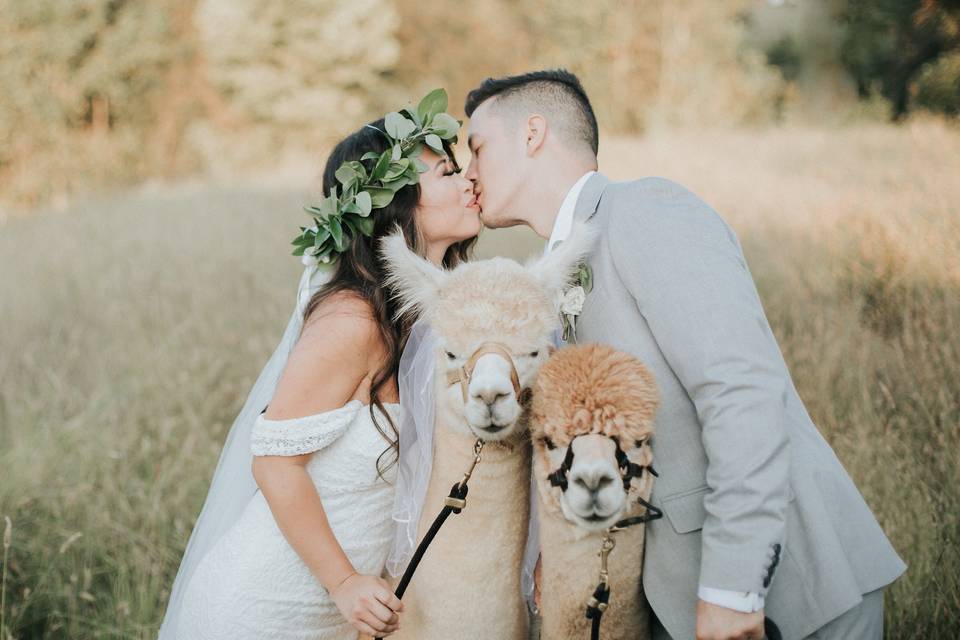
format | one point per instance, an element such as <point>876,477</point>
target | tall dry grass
<point>132,329</point>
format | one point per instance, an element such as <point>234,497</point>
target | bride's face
<point>447,212</point>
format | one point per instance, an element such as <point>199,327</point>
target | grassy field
<point>131,329</point>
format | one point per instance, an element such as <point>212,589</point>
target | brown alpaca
<point>595,400</point>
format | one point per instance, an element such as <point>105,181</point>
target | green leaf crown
<point>345,211</point>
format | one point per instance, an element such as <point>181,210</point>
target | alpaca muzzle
<point>628,471</point>
<point>462,375</point>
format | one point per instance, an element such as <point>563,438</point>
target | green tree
<point>938,85</point>
<point>888,43</point>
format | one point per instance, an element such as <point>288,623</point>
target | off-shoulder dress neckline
<point>349,404</point>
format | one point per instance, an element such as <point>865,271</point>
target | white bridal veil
<point>233,485</point>
<point>415,378</point>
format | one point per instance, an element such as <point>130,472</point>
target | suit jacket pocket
<point>685,510</point>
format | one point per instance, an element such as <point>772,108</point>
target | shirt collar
<point>564,220</point>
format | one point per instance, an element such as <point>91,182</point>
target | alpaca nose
<point>490,382</point>
<point>592,480</point>
<point>490,395</point>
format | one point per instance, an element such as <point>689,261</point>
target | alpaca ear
<point>415,281</point>
<point>557,268</point>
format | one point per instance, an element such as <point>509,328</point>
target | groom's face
<point>496,165</point>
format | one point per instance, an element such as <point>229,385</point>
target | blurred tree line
<point>98,93</point>
<point>907,50</point>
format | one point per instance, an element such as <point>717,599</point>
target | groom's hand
<point>719,623</point>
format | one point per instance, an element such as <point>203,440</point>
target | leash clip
<point>477,448</point>
<point>605,548</point>
<point>460,503</point>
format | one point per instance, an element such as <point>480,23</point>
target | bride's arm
<point>326,367</point>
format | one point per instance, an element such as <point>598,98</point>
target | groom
<point>760,517</point>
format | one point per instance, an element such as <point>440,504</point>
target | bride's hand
<point>368,603</point>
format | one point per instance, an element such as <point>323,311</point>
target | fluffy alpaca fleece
<point>468,583</point>
<point>591,389</point>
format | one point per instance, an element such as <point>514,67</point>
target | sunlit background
<point>155,157</point>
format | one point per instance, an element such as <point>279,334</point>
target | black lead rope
<point>629,470</point>
<point>770,630</point>
<point>601,595</point>
<point>598,603</point>
<point>455,501</point>
<point>458,493</point>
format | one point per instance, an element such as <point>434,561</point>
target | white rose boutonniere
<point>572,301</point>
<point>571,304</point>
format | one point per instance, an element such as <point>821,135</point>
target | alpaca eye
<point>450,356</point>
<point>547,441</point>
<point>534,354</point>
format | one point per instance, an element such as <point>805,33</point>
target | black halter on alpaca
<point>628,471</point>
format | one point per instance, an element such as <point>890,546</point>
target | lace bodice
<point>295,436</point>
<point>252,584</point>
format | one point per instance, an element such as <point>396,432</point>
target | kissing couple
<point>299,532</point>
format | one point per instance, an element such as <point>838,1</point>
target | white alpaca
<point>591,420</point>
<point>468,584</point>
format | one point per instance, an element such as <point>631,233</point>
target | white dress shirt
<point>746,602</point>
<point>564,220</point>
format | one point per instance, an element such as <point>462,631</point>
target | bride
<point>294,535</point>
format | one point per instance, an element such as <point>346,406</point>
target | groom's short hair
<point>556,93</point>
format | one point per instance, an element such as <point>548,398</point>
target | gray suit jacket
<point>753,496</point>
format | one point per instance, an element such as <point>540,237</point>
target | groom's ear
<point>556,269</point>
<point>415,281</point>
<point>536,133</point>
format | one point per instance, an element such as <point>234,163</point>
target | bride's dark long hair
<point>360,268</point>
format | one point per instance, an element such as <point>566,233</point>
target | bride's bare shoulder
<point>341,304</point>
<point>332,358</point>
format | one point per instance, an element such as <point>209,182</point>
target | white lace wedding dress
<point>252,584</point>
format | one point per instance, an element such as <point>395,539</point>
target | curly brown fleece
<point>594,388</point>
<point>580,390</point>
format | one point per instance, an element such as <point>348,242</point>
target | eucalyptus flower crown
<point>345,212</point>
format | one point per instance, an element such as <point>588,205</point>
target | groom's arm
<point>685,270</point>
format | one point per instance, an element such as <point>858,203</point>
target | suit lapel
<point>590,196</point>
<point>587,203</point>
